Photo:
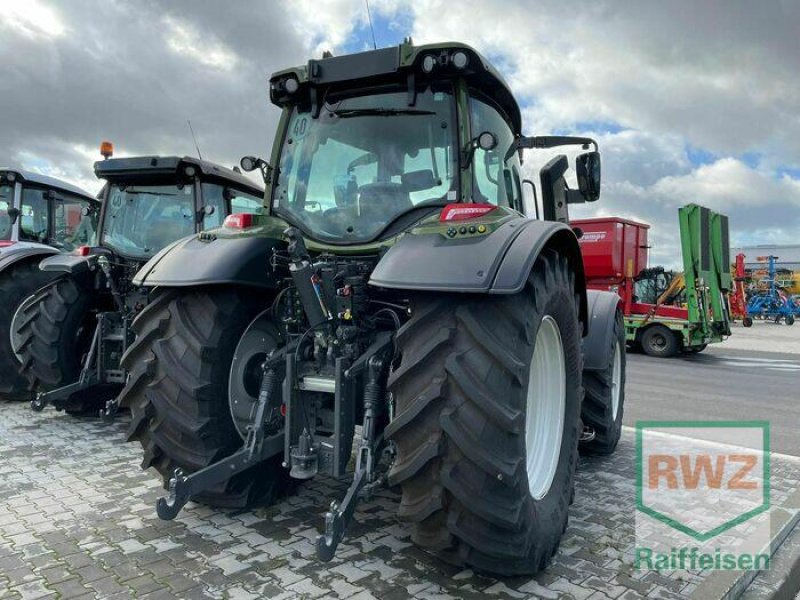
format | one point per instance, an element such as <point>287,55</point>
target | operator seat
<point>379,201</point>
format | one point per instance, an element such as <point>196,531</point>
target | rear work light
<point>83,250</point>
<point>462,212</point>
<point>239,221</point>
<point>6,244</point>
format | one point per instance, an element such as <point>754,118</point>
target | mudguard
<point>498,263</point>
<point>20,251</point>
<point>68,263</point>
<point>207,259</point>
<point>602,311</point>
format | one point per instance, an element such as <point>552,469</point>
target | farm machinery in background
<point>770,301</point>
<point>70,335</point>
<point>39,216</point>
<point>737,298</point>
<point>665,313</point>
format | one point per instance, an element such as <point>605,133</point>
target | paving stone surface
<point>77,520</point>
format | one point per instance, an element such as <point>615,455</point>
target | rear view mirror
<point>587,169</point>
<point>13,214</point>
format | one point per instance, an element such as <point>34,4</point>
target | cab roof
<point>398,64</point>
<point>139,168</point>
<point>46,181</point>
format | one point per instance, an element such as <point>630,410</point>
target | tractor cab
<point>152,201</point>
<point>372,143</point>
<point>38,209</point>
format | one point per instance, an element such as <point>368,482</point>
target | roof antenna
<point>200,156</point>
<point>369,17</point>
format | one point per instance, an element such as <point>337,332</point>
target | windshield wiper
<point>378,112</point>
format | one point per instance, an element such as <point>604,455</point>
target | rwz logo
<point>702,478</point>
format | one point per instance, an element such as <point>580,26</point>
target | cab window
<point>6,201</point>
<point>34,215</point>
<point>213,196</point>
<point>71,227</point>
<point>240,202</point>
<point>496,180</point>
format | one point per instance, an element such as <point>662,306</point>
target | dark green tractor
<point>395,284</point>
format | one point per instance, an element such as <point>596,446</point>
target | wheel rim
<point>245,373</point>
<point>546,402</point>
<point>658,342</point>
<point>616,380</point>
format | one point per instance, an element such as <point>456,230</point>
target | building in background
<point>787,265</point>
<point>788,256</point>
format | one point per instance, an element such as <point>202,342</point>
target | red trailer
<point>615,253</point>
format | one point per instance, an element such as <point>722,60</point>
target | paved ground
<point>77,521</point>
<point>723,382</point>
<point>765,336</point>
<point>77,515</point>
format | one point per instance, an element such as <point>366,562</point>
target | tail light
<point>239,221</point>
<point>83,250</point>
<point>462,212</point>
<point>5,244</point>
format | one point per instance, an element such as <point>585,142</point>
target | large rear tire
<point>488,394</point>
<point>604,398</point>
<point>17,282</point>
<point>177,390</point>
<point>53,335</point>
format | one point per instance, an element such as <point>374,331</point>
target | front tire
<point>177,390</point>
<point>604,397</point>
<point>474,375</point>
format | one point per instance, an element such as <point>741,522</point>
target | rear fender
<point>498,263</point>
<point>207,259</point>
<point>602,308</point>
<point>69,263</point>
<point>22,251</point>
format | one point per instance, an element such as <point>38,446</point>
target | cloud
<point>134,73</point>
<point>719,75</point>
<point>32,19</point>
<point>690,102</point>
<point>184,39</point>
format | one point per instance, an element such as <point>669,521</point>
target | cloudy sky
<point>690,101</point>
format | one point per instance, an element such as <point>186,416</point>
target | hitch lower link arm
<point>256,448</point>
<point>339,516</point>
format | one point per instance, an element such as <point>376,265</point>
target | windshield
<point>365,160</point>
<point>140,220</point>
<point>6,201</point>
